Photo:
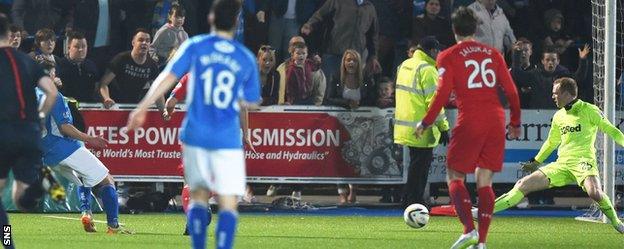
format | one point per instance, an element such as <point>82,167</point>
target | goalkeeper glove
<point>529,166</point>
<point>444,138</point>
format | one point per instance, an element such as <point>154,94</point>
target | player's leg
<point>4,218</point>
<point>6,160</point>
<point>536,181</point>
<point>94,174</point>
<point>592,186</point>
<point>198,216</point>
<point>199,177</point>
<point>186,199</point>
<point>86,217</point>
<point>228,219</point>
<point>486,201</point>
<point>84,195</point>
<point>229,169</point>
<point>27,187</point>
<point>462,156</point>
<point>461,201</point>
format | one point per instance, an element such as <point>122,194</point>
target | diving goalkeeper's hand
<point>529,166</point>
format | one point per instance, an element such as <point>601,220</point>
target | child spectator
<point>305,84</point>
<point>171,34</point>
<point>385,93</point>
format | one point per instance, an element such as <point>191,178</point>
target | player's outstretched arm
<point>509,88</point>
<point>245,107</point>
<point>598,119</point>
<point>69,130</point>
<point>551,143</point>
<point>48,87</point>
<point>163,83</point>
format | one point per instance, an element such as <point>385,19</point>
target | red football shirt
<point>475,72</point>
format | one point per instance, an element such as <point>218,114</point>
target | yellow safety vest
<point>417,79</point>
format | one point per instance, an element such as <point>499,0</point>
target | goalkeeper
<point>573,130</point>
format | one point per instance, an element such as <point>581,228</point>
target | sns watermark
<point>6,235</point>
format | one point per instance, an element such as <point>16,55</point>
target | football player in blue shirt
<point>64,152</point>
<point>223,84</point>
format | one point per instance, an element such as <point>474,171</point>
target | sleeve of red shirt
<point>509,87</point>
<point>179,92</point>
<point>445,86</point>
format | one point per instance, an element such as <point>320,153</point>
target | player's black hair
<point>464,21</point>
<point>225,13</point>
<point>567,84</point>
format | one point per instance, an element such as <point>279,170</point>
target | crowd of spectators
<point>310,52</point>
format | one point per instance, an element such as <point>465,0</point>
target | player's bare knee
<point>200,194</point>
<point>228,203</point>
<point>110,179</point>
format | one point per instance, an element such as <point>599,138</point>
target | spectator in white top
<point>493,28</point>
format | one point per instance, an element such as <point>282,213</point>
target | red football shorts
<point>475,146</point>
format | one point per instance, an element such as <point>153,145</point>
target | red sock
<point>186,197</point>
<point>461,201</point>
<point>486,207</point>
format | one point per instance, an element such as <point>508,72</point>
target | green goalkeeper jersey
<point>574,129</point>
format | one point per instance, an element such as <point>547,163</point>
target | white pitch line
<point>78,219</point>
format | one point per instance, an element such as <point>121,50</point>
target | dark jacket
<point>438,27</point>
<point>34,15</point>
<point>355,27</point>
<point>85,19</point>
<point>79,79</point>
<point>270,88</point>
<point>303,9</point>
<point>19,76</point>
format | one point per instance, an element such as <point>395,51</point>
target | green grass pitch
<point>305,231</point>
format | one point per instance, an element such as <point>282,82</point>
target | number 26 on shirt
<point>480,68</point>
<point>221,94</point>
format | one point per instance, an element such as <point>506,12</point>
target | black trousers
<point>417,174</point>
<point>20,150</point>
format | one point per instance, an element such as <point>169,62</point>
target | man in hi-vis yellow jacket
<point>417,79</point>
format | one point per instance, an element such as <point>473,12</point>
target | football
<point>416,216</point>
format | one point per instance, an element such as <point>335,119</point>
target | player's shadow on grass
<point>155,234</point>
<point>420,231</point>
<point>321,237</point>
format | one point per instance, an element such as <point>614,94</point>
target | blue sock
<point>209,220</point>
<point>4,220</point>
<point>84,195</point>
<point>111,207</point>
<point>226,228</point>
<point>197,221</point>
